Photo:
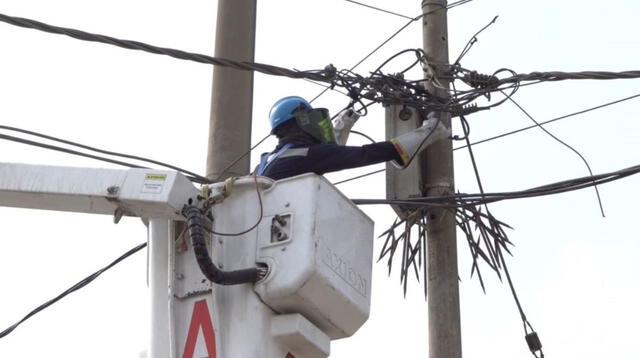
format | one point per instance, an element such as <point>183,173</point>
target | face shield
<point>316,123</point>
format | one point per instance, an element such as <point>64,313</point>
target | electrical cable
<point>472,41</point>
<point>240,157</point>
<point>551,120</point>
<point>514,131</point>
<point>452,5</point>
<point>531,337</point>
<point>327,87</point>
<point>418,97</point>
<point>80,284</point>
<point>65,150</point>
<point>566,145</point>
<point>200,180</point>
<point>379,9</point>
<point>319,75</point>
<point>36,134</point>
<point>500,255</point>
<point>560,76</point>
<point>465,200</point>
<point>363,135</point>
<point>195,225</point>
<point>255,178</point>
<point>383,43</point>
<point>360,176</point>
<point>328,74</point>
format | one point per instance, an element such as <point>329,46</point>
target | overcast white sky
<point>576,272</point>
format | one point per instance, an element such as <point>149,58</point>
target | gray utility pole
<point>232,93</point>
<point>436,175</point>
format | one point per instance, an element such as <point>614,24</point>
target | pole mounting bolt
<point>405,113</point>
<point>113,190</point>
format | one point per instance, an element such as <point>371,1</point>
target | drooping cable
<point>80,284</point>
<point>363,135</point>
<point>500,256</point>
<point>472,41</point>
<point>260,205</point>
<point>195,227</point>
<point>566,145</point>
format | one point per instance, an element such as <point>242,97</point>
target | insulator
<point>533,342</point>
<point>479,80</point>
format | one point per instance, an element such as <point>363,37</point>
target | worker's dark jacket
<point>306,156</point>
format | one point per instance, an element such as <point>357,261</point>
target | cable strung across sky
<point>377,88</point>
<point>179,54</point>
<point>462,200</point>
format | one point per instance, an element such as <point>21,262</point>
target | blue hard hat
<point>284,109</point>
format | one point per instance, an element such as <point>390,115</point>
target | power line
<point>513,132</point>
<point>379,9</point>
<point>80,284</point>
<point>551,120</point>
<point>418,99</point>
<point>360,176</point>
<point>318,75</point>
<point>465,200</point>
<point>566,145</point>
<point>98,150</point>
<point>452,5</point>
<point>495,252</point>
<point>560,76</point>
<point>472,41</point>
<point>240,157</point>
<point>411,20</point>
<point>196,178</point>
<point>378,88</point>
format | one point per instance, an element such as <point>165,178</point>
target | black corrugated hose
<point>195,220</point>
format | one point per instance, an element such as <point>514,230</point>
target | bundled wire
<point>386,89</point>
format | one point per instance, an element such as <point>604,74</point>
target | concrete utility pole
<point>437,178</point>
<point>232,94</point>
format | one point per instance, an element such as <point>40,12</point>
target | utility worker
<point>310,143</point>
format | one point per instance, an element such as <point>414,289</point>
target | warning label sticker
<point>153,183</point>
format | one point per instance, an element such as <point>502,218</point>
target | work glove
<point>343,123</point>
<point>408,144</point>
